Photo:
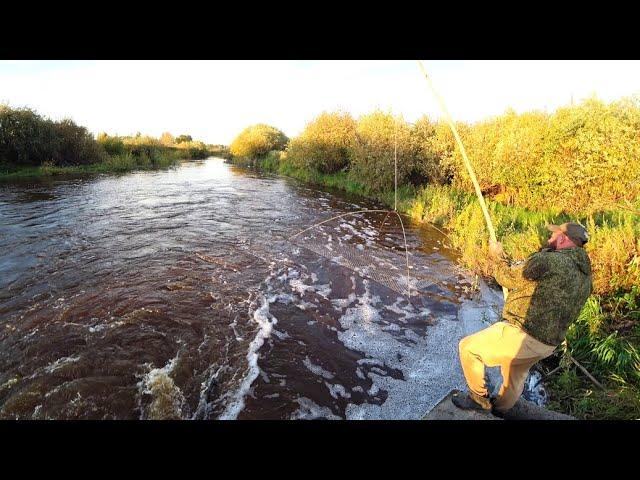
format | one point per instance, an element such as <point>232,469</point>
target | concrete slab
<point>523,410</point>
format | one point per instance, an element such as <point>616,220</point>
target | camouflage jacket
<point>546,292</point>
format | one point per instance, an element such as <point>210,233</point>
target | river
<point>176,294</point>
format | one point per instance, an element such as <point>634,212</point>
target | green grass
<point>114,164</point>
<point>575,395</point>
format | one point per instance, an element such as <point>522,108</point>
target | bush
<point>257,141</point>
<point>193,149</point>
<point>111,145</point>
<point>583,158</point>
<point>592,154</point>
<point>428,166</point>
<point>26,138</point>
<point>373,155</point>
<point>326,143</point>
<point>75,145</point>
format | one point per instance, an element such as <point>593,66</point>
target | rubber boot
<point>471,401</point>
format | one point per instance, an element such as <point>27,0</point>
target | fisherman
<point>546,294</point>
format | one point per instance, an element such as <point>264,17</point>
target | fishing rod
<point>472,175</point>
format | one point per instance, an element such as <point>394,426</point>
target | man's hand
<point>495,249</point>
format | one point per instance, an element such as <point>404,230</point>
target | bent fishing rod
<point>467,163</point>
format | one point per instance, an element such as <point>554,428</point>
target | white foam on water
<point>265,320</point>
<point>399,309</point>
<point>370,361</point>
<point>534,391</point>
<point>340,303</point>
<point>167,398</point>
<point>317,369</point>
<point>61,362</point>
<point>337,390</point>
<point>309,410</point>
<point>304,305</point>
<point>430,365</point>
<point>204,406</point>
<point>300,287</point>
<point>284,298</point>
<point>280,335</point>
<point>323,290</point>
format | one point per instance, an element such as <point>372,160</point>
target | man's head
<point>567,235</point>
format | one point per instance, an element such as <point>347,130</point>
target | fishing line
<point>347,258</point>
<point>352,261</point>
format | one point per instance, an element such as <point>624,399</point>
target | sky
<point>214,100</point>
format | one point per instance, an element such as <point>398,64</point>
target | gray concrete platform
<point>523,410</point>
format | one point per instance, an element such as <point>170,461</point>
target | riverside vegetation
<point>31,145</point>
<point>579,163</point>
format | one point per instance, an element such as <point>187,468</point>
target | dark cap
<point>576,232</point>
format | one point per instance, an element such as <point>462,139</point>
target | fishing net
<point>370,242</point>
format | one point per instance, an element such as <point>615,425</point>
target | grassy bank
<point>113,164</point>
<point>606,337</point>
<point>32,145</point>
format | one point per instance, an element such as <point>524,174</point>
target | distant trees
<point>26,138</point>
<point>258,140</point>
<point>167,139</point>
<point>111,145</point>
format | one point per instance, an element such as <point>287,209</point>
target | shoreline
<point>522,232</point>
<point>115,164</point>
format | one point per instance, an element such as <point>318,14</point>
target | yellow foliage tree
<point>326,143</point>
<point>379,134</point>
<point>256,141</point>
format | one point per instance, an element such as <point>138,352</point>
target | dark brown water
<point>175,294</point>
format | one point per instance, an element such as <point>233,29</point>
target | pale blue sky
<point>214,100</point>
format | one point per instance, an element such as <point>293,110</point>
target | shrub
<point>74,145</point>
<point>378,134</point>
<point>111,145</point>
<point>257,141</point>
<point>583,157</point>
<point>26,138</point>
<point>326,143</point>
<point>167,139</point>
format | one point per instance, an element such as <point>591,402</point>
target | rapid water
<point>175,294</point>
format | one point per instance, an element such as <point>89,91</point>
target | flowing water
<point>176,294</point>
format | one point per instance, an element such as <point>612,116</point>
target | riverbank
<point>123,163</point>
<point>35,146</point>
<point>116,164</point>
<point>606,337</point>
